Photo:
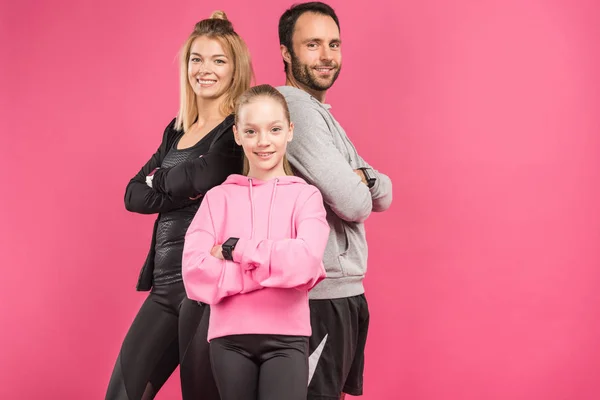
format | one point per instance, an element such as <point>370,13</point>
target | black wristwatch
<point>227,248</point>
<point>369,176</point>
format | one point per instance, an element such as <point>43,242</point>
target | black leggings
<point>168,325</point>
<point>260,367</point>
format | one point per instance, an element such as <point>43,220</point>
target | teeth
<point>205,82</point>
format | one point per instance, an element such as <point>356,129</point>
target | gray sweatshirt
<point>322,154</point>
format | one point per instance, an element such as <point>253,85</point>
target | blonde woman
<point>197,152</point>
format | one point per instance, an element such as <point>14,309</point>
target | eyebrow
<point>271,123</point>
<point>214,56</point>
<point>320,40</point>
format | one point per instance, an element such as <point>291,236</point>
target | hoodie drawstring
<point>271,207</point>
<point>252,207</point>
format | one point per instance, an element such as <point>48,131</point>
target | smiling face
<point>263,130</point>
<point>316,59</point>
<point>210,71</point>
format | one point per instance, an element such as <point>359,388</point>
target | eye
<point>195,59</point>
<point>335,45</point>
<point>276,129</point>
<point>312,45</point>
<point>220,61</point>
<point>249,132</point>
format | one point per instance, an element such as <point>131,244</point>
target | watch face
<point>231,241</point>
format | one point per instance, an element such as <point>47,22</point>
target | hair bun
<point>217,24</point>
<point>219,15</point>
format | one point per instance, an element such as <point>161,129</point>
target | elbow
<point>360,212</point>
<point>197,289</point>
<point>195,295</point>
<point>361,217</point>
<point>317,275</point>
<point>382,204</point>
<point>355,211</point>
<point>133,199</point>
<point>360,208</point>
<point>132,206</point>
<point>129,206</point>
<point>129,203</point>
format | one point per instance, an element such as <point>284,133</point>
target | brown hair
<point>220,28</point>
<point>266,91</point>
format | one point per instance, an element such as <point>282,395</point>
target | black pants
<point>168,330</point>
<point>260,367</point>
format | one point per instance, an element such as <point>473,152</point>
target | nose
<point>263,139</point>
<point>326,53</point>
<point>203,68</point>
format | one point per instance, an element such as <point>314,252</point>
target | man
<point>322,154</point>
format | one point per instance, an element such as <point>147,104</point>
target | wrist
<point>369,175</point>
<point>150,177</point>
<point>228,247</point>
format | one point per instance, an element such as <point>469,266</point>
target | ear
<point>291,133</point>
<point>285,54</point>
<point>236,136</point>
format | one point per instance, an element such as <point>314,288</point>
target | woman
<point>197,152</point>
<point>253,252</point>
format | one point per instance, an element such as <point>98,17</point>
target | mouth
<point>264,155</point>
<point>206,82</point>
<point>324,70</point>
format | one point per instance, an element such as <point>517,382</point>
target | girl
<point>253,252</point>
<point>197,152</point>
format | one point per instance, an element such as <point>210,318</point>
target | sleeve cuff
<point>238,252</point>
<point>157,180</point>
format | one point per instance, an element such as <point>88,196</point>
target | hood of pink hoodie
<point>241,180</point>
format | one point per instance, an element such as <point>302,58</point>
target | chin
<point>208,96</point>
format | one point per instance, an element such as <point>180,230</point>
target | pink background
<point>484,279</point>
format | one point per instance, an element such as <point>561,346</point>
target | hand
<point>217,251</point>
<point>150,177</point>
<point>362,176</point>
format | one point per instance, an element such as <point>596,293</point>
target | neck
<point>209,109</point>
<point>317,94</point>
<point>263,175</point>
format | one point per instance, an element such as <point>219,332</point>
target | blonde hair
<point>266,91</point>
<point>220,28</point>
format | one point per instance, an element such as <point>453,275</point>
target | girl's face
<point>210,71</point>
<point>263,131</point>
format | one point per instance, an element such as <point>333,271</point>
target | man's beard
<point>305,74</point>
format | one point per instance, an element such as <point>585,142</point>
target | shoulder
<point>310,192</point>
<point>225,190</point>
<point>224,131</point>
<point>171,133</point>
<point>310,201</point>
<point>215,193</point>
<point>297,98</point>
<point>227,124</point>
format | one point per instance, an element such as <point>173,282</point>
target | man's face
<point>317,55</point>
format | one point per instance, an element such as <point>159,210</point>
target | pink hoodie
<point>283,233</point>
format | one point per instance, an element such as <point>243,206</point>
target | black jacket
<point>173,187</point>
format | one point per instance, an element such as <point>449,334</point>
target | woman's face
<point>210,71</point>
<point>263,131</point>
